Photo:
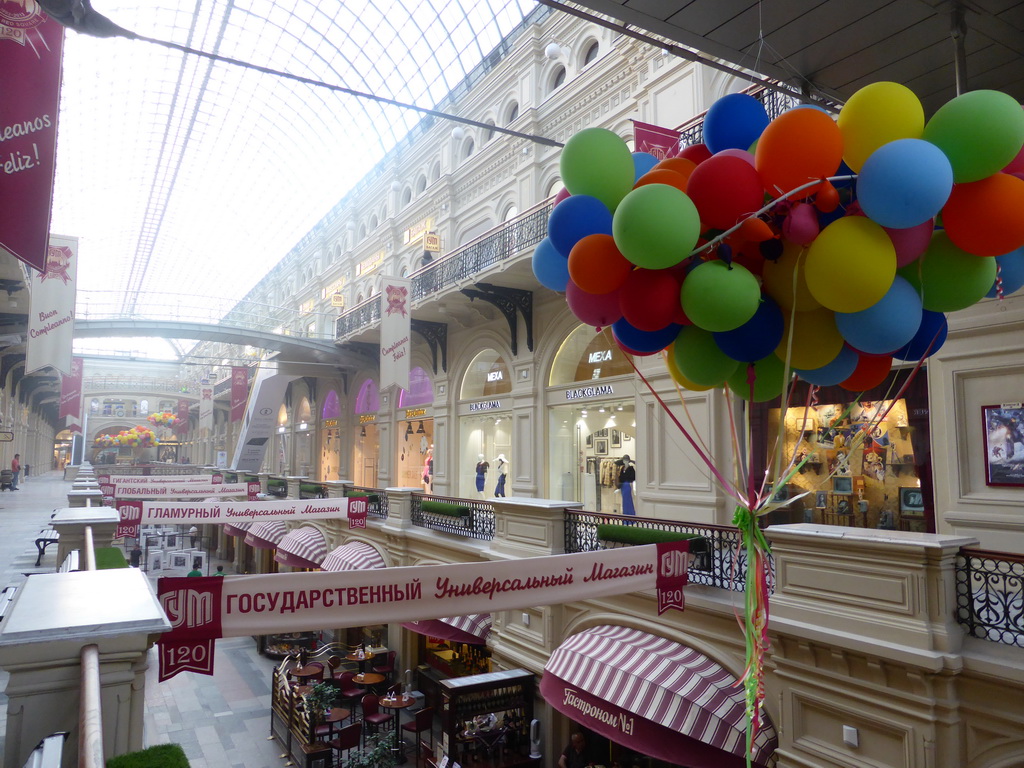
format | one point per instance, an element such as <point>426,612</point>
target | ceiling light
<point>553,51</point>
<point>458,133</point>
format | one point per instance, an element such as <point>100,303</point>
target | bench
<point>6,597</point>
<point>45,539</point>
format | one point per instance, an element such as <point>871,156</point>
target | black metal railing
<point>278,488</point>
<point>478,524</point>
<point>378,500</point>
<point>990,595</point>
<point>312,491</point>
<point>462,264</point>
<point>720,563</point>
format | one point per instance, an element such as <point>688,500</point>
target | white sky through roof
<point>185,177</point>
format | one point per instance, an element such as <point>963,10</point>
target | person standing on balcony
<point>15,471</point>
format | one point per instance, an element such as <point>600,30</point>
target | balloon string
<point>785,196</point>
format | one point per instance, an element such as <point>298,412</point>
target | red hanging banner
<point>182,425</point>
<point>654,139</point>
<point>31,44</point>
<point>239,392</point>
<point>71,395</point>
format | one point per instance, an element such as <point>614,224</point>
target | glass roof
<point>181,175</point>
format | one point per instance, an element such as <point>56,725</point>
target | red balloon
<point>562,194</point>
<point>871,371</point>
<point>698,153</point>
<point>984,217</point>
<point>725,189</point>
<point>596,309</point>
<point>649,299</point>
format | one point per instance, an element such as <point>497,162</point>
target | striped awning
<point>266,535</point>
<point>355,556</point>
<point>304,547</point>
<point>457,629</point>
<point>237,529</point>
<point>655,696</point>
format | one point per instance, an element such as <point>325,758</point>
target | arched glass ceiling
<point>186,176</point>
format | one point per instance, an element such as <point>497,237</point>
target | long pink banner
<point>31,44</point>
<point>202,609</point>
<point>71,394</point>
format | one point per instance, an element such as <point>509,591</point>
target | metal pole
<point>90,716</point>
<point>958,32</point>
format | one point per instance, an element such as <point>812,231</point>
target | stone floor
<point>221,721</point>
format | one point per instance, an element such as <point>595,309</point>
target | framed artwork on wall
<point>616,439</point>
<point>820,499</point>
<point>911,502</point>
<point>601,446</point>
<point>1004,444</point>
<point>842,484</point>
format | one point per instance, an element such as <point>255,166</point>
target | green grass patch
<point>276,482</point>
<point>630,534</point>
<point>445,508</point>
<point>315,488</point>
<point>371,498</point>
<point>159,756</point>
<point>109,557</point>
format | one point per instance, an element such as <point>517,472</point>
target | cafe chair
<point>386,667</point>
<point>423,721</point>
<point>348,691</point>
<point>372,716</point>
<point>347,738</point>
<point>333,663</point>
<point>317,677</point>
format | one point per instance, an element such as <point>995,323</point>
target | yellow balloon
<point>777,277</point>
<point>677,375</point>
<point>850,265</point>
<point>875,115</point>
<point>816,340</point>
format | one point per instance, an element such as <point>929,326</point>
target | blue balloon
<point>576,217</point>
<point>928,340</point>
<point>644,342</point>
<point>840,369</point>
<point>755,339</point>
<point>888,324</point>
<point>550,267</point>
<point>735,121</point>
<point>642,163</point>
<point>904,183</point>
<point>1011,272</point>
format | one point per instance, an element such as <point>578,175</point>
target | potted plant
<point>319,701</point>
<point>380,752</point>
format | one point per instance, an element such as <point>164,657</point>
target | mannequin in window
<point>502,463</point>
<point>481,470</point>
<point>627,477</point>
<point>428,471</point>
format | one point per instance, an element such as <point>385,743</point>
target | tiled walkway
<point>221,721</point>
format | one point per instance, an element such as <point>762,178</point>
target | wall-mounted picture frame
<point>862,506</point>
<point>616,439</point>
<point>820,499</point>
<point>590,440</point>
<point>843,506</point>
<point>601,432</point>
<point>1004,444</point>
<point>601,446</point>
<point>626,438</point>
<point>842,484</point>
<point>911,502</point>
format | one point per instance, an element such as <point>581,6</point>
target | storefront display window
<point>485,427</point>
<point>303,439</point>
<point>867,460</point>
<point>592,428</point>
<point>330,438</point>
<point>415,443</point>
<point>366,441</point>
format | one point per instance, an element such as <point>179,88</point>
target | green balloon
<point>656,226</point>
<point>947,278</point>
<point>768,379</point>
<point>979,131</point>
<point>699,359</point>
<point>598,163</point>
<point>719,297</point>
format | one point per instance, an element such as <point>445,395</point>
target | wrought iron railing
<point>378,500</point>
<point>720,563</point>
<point>312,491</point>
<point>478,524</point>
<point>461,265</point>
<point>277,488</point>
<point>990,595</point>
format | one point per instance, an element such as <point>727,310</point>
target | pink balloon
<point>911,242</point>
<point>596,309</point>
<point>562,194</point>
<point>742,154</point>
<point>801,225</point>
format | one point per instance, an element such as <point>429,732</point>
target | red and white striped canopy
<point>266,535</point>
<point>304,547</point>
<point>237,529</point>
<point>457,629</point>
<point>355,556</point>
<point>655,696</point>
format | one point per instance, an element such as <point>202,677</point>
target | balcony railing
<point>378,500</point>
<point>463,264</point>
<point>722,565</point>
<point>990,595</point>
<point>478,524</point>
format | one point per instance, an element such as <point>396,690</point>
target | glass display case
<point>279,646</point>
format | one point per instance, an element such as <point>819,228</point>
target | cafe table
<point>360,660</point>
<point>397,703</point>
<point>307,673</point>
<point>369,679</point>
<point>337,715</point>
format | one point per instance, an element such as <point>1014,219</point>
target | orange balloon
<point>681,165</point>
<point>779,284</point>
<point>798,146</point>
<point>755,229</point>
<point>986,217</point>
<point>871,371</point>
<point>654,176</point>
<point>596,265</point>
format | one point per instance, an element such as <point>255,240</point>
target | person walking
<point>15,471</point>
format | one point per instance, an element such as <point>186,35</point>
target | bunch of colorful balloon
<point>164,419</point>
<point>833,245</point>
<point>136,437</point>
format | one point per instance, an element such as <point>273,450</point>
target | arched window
<point>435,172</point>
<point>374,222</point>
<point>511,213</point>
<point>467,150</point>
<point>144,407</point>
<point>512,114</point>
<point>486,376</point>
<point>489,132</point>
<point>554,188</point>
<point>592,50</point>
<point>368,397</point>
<point>587,356</point>
<point>406,196</point>
<point>421,184</point>
<point>557,79</point>
<point>362,232</point>
<point>420,392</point>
